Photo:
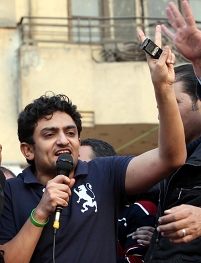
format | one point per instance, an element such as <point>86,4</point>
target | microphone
<point>64,165</point>
<point>2,184</point>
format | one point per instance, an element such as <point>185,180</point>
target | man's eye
<point>71,133</point>
<point>49,135</point>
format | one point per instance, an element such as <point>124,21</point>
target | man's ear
<point>80,145</point>
<point>27,151</point>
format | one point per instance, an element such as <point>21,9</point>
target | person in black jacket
<point>180,197</point>
<point>186,37</point>
<point>182,223</point>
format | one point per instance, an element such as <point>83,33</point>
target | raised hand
<point>186,36</point>
<point>163,65</point>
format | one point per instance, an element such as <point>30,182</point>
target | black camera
<point>151,48</point>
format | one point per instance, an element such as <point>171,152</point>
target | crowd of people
<point>108,211</point>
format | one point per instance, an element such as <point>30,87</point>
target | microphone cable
<point>54,246</point>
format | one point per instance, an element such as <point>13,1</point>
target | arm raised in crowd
<point>151,167</point>
<point>186,36</point>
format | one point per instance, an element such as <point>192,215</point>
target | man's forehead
<point>56,120</point>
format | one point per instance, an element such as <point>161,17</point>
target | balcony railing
<point>118,35</point>
<point>90,30</point>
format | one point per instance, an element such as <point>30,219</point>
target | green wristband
<point>36,223</point>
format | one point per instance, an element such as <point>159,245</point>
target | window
<point>117,20</point>
<point>109,19</point>
<point>85,29</point>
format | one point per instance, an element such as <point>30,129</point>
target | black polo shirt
<point>88,226</point>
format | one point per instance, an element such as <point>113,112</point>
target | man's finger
<point>167,32</point>
<point>188,14</point>
<point>141,35</point>
<point>158,36</point>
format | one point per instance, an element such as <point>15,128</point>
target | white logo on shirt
<point>82,194</point>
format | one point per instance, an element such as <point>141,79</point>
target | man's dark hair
<point>186,74</point>
<point>100,148</point>
<point>44,107</point>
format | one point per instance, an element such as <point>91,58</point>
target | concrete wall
<point>9,84</point>
<point>116,92</point>
<point>7,14</point>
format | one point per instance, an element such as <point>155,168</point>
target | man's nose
<point>62,139</point>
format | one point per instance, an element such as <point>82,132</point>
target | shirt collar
<point>30,178</point>
<point>81,168</point>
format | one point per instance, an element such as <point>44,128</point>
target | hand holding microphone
<point>64,165</point>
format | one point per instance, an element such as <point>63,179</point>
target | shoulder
<point>26,177</point>
<point>111,164</point>
<point>112,160</point>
